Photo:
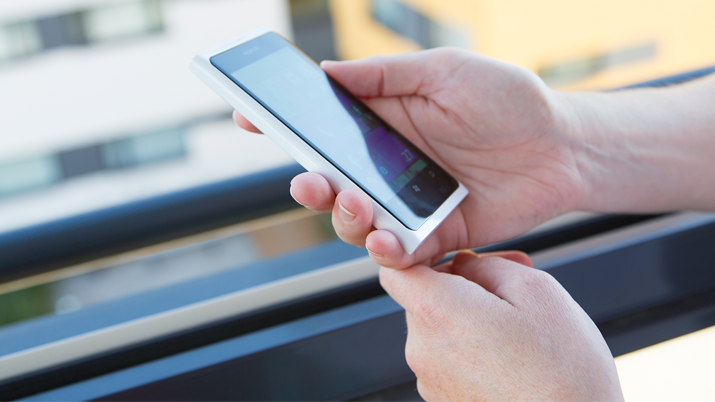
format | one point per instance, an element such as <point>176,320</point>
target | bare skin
<point>492,328</point>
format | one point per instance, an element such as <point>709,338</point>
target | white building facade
<point>99,109</point>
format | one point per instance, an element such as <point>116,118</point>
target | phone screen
<point>376,157</point>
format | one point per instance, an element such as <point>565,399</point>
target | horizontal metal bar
<point>97,234</point>
<point>329,356</point>
<point>617,273</point>
<point>53,328</point>
<point>576,265</point>
<point>179,319</point>
<point>674,79</point>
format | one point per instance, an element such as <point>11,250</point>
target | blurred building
<point>572,45</point>
<point>99,108</point>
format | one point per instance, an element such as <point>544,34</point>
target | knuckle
<point>447,51</point>
<point>424,390</point>
<point>428,317</point>
<point>414,359</point>
<point>419,362</point>
<point>536,282</point>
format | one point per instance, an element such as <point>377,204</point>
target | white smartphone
<point>329,131</point>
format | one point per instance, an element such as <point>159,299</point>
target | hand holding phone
<point>331,132</point>
<point>496,127</point>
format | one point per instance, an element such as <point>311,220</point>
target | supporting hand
<point>490,328</point>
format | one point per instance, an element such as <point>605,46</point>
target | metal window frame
<point>73,240</point>
<point>351,349</point>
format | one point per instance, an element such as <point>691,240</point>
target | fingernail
<point>325,62</point>
<point>295,199</point>
<point>517,256</point>
<point>492,253</point>
<point>501,253</point>
<point>373,253</point>
<point>345,215</point>
<point>464,256</point>
<point>468,251</point>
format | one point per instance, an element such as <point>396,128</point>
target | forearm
<point>645,150</point>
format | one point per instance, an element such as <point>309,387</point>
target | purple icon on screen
<point>389,149</point>
<point>386,173</point>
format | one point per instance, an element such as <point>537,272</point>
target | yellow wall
<point>535,34</point>
<point>357,35</point>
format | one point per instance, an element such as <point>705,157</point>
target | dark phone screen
<point>339,126</point>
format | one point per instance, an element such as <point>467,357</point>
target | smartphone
<point>327,130</point>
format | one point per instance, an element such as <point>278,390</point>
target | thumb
<point>393,75</point>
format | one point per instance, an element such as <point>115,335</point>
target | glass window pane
<point>117,154</point>
<point>28,174</point>
<point>389,13</point>
<point>18,39</point>
<point>123,19</point>
<point>157,146</point>
<point>80,161</point>
<point>445,35</point>
<point>61,30</point>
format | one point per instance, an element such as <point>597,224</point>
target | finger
<point>445,267</point>
<point>409,287</point>
<point>492,273</point>
<point>387,251</point>
<point>352,217</point>
<point>313,192</point>
<point>421,290</point>
<point>395,75</point>
<point>244,124</point>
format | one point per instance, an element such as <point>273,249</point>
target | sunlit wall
<point>572,44</point>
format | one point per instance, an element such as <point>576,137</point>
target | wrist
<point>580,132</point>
<point>646,150</point>
<point>611,150</point>
<point>572,134</point>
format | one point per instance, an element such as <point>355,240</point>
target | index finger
<point>244,124</point>
<point>421,290</point>
<point>396,75</point>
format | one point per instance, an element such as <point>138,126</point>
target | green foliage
<point>24,303</point>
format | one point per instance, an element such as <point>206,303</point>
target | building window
<point>29,174</point>
<point>61,30</point>
<point>144,149</point>
<point>106,22</point>
<point>34,173</point>
<point>19,39</point>
<point>80,161</point>
<point>578,69</point>
<point>412,24</point>
<point>123,20</point>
